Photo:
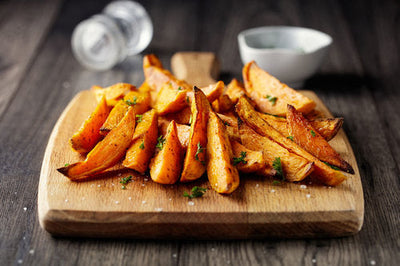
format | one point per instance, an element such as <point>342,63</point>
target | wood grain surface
<point>200,68</point>
<point>20,39</point>
<point>359,81</point>
<point>145,209</point>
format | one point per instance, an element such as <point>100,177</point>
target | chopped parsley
<point>179,88</point>
<point>125,180</point>
<point>277,165</point>
<point>142,145</point>
<point>196,192</point>
<point>226,123</point>
<point>187,99</point>
<point>276,183</point>
<point>199,150</point>
<point>67,164</point>
<point>332,166</point>
<point>290,137</point>
<point>271,99</point>
<point>312,133</point>
<point>160,142</point>
<point>274,115</point>
<point>237,160</point>
<point>130,103</point>
<point>139,118</point>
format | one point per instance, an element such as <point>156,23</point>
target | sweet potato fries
<point>176,132</point>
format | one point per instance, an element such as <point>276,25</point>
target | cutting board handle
<point>197,68</point>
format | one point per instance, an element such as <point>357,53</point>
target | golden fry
<point>194,164</point>
<point>143,143</point>
<point>222,174</point>
<point>165,167</point>
<point>309,139</point>
<point>270,95</point>
<point>88,135</point>
<point>325,173</point>
<point>106,153</point>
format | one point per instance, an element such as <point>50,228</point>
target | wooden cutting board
<point>257,209</point>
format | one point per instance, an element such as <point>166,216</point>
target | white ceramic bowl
<point>291,54</point>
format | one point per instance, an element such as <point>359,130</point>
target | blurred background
<point>201,26</point>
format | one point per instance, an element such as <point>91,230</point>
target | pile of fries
<point>176,132</point>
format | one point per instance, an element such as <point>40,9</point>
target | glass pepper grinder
<point>123,28</point>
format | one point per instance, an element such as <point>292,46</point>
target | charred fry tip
<point>340,123</point>
<point>290,107</point>
<point>349,169</point>
<point>64,170</point>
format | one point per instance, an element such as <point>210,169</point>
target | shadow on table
<point>341,83</point>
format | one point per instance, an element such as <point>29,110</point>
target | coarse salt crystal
<point>170,199</point>
<point>272,190</point>
<point>19,261</point>
<point>116,202</point>
<point>144,202</point>
<point>25,208</point>
<point>66,200</point>
<point>174,255</point>
<point>66,84</point>
<point>191,203</point>
<point>143,185</point>
<point>372,262</point>
<point>130,198</point>
<point>98,185</point>
<point>158,209</point>
<point>257,185</point>
<point>146,179</point>
<point>31,251</point>
<point>313,260</point>
<point>308,196</point>
<point>303,186</point>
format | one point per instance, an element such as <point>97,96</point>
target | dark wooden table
<point>359,81</point>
